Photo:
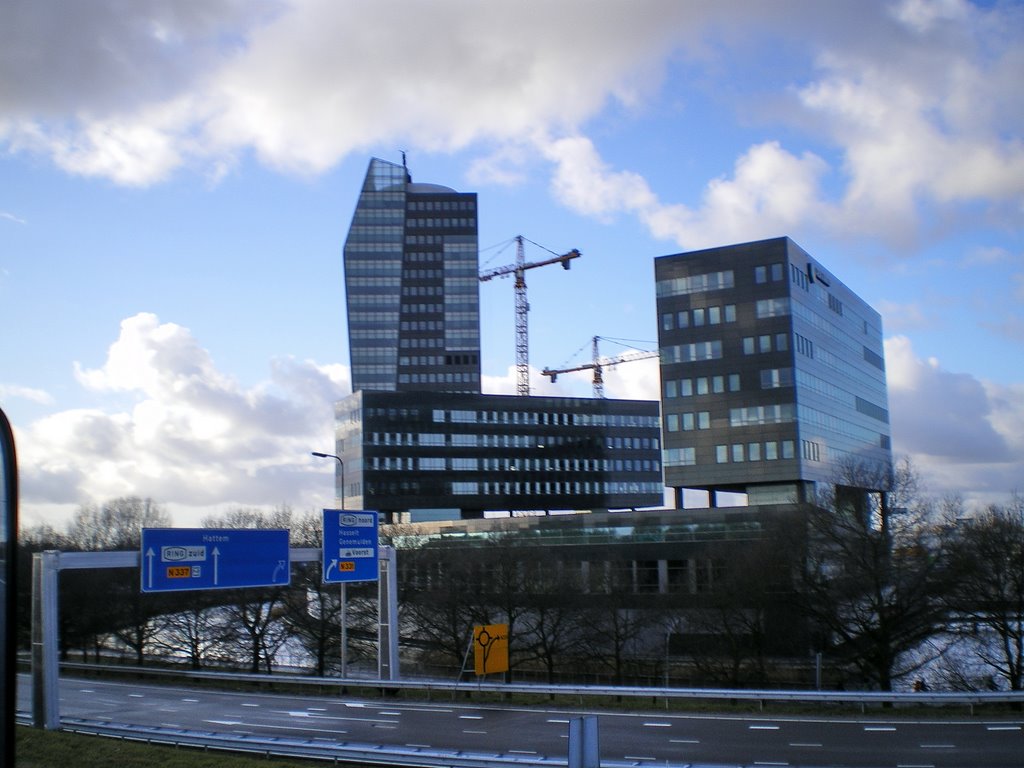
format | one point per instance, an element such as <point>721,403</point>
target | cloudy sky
<point>177,177</point>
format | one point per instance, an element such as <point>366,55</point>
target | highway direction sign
<point>350,545</point>
<point>176,559</point>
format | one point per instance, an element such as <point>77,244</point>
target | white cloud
<point>770,193</point>
<point>11,217</point>
<point>193,438</point>
<point>965,433</point>
<point>10,391</point>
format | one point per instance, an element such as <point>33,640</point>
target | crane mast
<point>598,364</point>
<point>522,306</point>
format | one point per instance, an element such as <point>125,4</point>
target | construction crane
<point>522,306</point>
<point>600,363</point>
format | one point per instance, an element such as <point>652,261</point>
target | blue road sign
<point>213,558</point>
<point>350,545</point>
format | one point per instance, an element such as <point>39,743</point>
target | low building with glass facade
<point>422,455</point>
<point>772,374</point>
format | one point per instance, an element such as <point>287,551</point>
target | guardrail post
<point>45,672</point>
<point>387,617</point>
<point>584,744</point>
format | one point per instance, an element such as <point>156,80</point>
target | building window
<point>722,454</point>
<point>787,449</point>
<point>704,420</point>
<point>718,384</point>
<point>683,319</point>
<point>748,345</point>
<point>772,307</point>
<point>431,463</point>
<point>672,422</point>
<point>687,422</point>
<point>754,451</point>
<point>734,382</point>
<point>698,317</point>
<point>686,388</point>
<point>671,388</point>
<point>702,385</point>
<point>771,450</point>
<point>714,315</point>
<point>774,378</point>
<point>666,321</point>
<point>737,452</point>
<point>730,313</point>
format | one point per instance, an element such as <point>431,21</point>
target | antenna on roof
<point>408,178</point>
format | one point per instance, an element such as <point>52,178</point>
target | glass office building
<point>413,293</point>
<point>447,455</point>
<point>772,375</point>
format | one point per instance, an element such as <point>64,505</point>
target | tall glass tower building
<point>413,292</point>
<point>772,373</point>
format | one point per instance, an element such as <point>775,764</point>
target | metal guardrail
<point>863,699</point>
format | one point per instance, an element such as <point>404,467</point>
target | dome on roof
<point>417,188</point>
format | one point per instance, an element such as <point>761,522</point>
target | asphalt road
<point>653,737</point>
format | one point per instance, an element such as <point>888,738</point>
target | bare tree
<point>874,575</point>
<point>987,589</point>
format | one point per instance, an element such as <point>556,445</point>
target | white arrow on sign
<point>150,554</point>
<point>216,561</point>
<point>331,567</point>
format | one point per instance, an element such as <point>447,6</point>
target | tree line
<point>914,589</point>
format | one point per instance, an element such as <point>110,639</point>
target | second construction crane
<point>598,364</point>
<point>523,307</point>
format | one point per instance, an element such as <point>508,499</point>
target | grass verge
<point>35,748</point>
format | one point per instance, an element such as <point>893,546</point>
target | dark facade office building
<point>414,455</point>
<point>773,378</point>
<point>411,284</point>
<point>417,438</point>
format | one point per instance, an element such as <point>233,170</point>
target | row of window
<point>554,488</point>
<point>687,422</point>
<point>423,290</point>
<point>702,385</point>
<point>445,221</point>
<point>696,318</point>
<point>694,352</point>
<point>416,343</point>
<point>422,325</point>
<point>506,464</point>
<point>440,205</point>
<point>438,378</point>
<point>680,286</point>
<point>545,418</point>
<point>765,273</point>
<point>438,440</point>
<point>767,342</point>
<point>769,450</point>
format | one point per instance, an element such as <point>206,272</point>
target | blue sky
<point>177,178</point>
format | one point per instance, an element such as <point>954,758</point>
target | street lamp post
<point>342,594</point>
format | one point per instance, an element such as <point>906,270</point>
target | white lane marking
<point>915,765</point>
<point>191,701</point>
<point>471,717</point>
<point>418,746</point>
<point>938,746</point>
<point>389,714</point>
<point>557,721</point>
<point>768,762</point>
<point>522,752</point>
<point>1002,727</point>
<point>763,727</point>
<point>657,725</point>
<point>250,705</point>
<point>638,757</point>
<point>317,709</point>
<point>805,744</point>
<point>880,728</point>
<point>136,696</point>
<point>476,732</point>
<point>224,722</point>
<point>86,690</point>
<point>684,741</point>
